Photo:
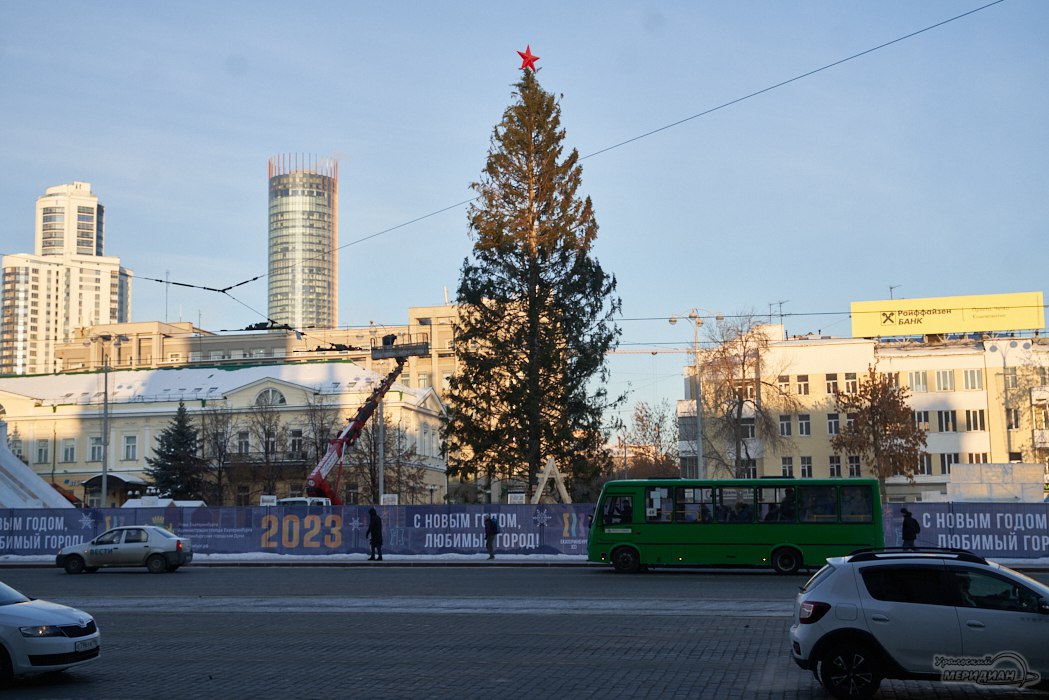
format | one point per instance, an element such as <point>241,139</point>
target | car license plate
<point>87,644</point>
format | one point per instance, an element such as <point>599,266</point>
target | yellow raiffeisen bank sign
<point>987,312</point>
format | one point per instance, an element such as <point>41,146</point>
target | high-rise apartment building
<point>303,241</point>
<point>65,284</point>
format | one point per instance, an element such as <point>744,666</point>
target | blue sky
<point>921,165</point>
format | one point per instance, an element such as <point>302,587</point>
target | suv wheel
<point>850,671</point>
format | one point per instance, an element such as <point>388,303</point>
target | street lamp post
<point>1004,351</point>
<point>697,385</point>
<point>112,341</point>
<point>432,488</point>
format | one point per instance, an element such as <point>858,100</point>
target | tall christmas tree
<point>177,470</point>
<point>536,311</point>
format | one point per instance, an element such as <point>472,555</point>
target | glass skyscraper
<point>303,241</point>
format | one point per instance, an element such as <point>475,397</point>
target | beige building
<point>66,283</point>
<point>155,344</point>
<point>981,399</point>
<point>55,424</point>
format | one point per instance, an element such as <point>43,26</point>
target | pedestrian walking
<point>491,529</point>
<point>374,535</point>
<point>910,530</point>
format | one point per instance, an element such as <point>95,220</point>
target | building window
<point>974,421</point>
<point>270,442</point>
<point>295,443</point>
<point>924,464</point>
<point>95,445</point>
<point>43,451</point>
<point>850,420</point>
<point>746,428</point>
<point>918,382</point>
<point>787,466</point>
<point>783,382</point>
<point>784,426</point>
<point>1012,418</point>
<point>835,466</point>
<point>833,428</point>
<point>803,385</point>
<point>946,460</point>
<point>973,379</point>
<point>243,443</point>
<point>1041,416</point>
<point>832,383</point>
<point>424,380</point>
<point>804,424</point>
<point>892,378</point>
<point>270,397</point>
<point>921,420</point>
<point>130,448</point>
<point>947,421</point>
<point>749,469</point>
<point>944,380</point>
<point>69,450</point>
<point>854,466</point>
<point>806,467</point>
<point>1012,379</point>
<point>852,385</point>
<point>243,496</point>
<point>977,458</point>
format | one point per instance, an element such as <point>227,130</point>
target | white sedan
<point>41,637</point>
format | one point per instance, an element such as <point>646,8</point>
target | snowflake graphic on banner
<point>355,524</point>
<point>541,517</point>
<point>86,522</point>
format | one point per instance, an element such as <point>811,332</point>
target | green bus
<point>783,523</point>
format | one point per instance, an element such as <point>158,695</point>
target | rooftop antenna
<point>892,287</point>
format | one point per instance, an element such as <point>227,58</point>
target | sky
<point>916,170</point>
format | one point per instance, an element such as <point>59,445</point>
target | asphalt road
<point>435,632</point>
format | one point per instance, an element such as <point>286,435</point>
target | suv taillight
<point>178,545</point>
<point>812,611</point>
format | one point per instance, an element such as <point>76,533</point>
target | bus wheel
<point>786,560</point>
<point>626,561</point>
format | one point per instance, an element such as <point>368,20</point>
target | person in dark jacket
<point>374,535</point>
<point>491,529</point>
<point>911,528</point>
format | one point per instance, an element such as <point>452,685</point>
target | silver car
<point>41,637</point>
<point>130,545</point>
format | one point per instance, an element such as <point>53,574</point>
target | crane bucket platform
<point>388,347</point>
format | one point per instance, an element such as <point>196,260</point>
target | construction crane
<point>319,484</point>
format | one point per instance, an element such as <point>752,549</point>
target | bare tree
<point>322,424</point>
<point>268,432</point>
<point>652,438</point>
<point>217,427</point>
<point>742,399</point>
<point>403,469</point>
<point>880,427</point>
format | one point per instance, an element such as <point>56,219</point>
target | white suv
<point>930,614</point>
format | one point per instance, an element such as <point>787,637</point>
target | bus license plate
<point>87,644</point>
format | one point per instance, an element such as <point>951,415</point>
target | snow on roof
<point>191,383</point>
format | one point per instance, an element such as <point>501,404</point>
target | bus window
<point>734,505</point>
<point>817,504</point>
<point>693,505</point>
<point>618,510</point>
<point>659,507</point>
<point>857,504</point>
<point>776,505</point>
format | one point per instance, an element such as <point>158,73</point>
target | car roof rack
<point>873,553</point>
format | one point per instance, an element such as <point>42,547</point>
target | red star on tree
<point>527,59</point>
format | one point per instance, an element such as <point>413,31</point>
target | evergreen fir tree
<point>177,470</point>
<point>536,311</point>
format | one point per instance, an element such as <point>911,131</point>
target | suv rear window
<point>906,584</point>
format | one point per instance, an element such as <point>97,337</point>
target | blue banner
<point>456,529</point>
<point>994,530</point>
